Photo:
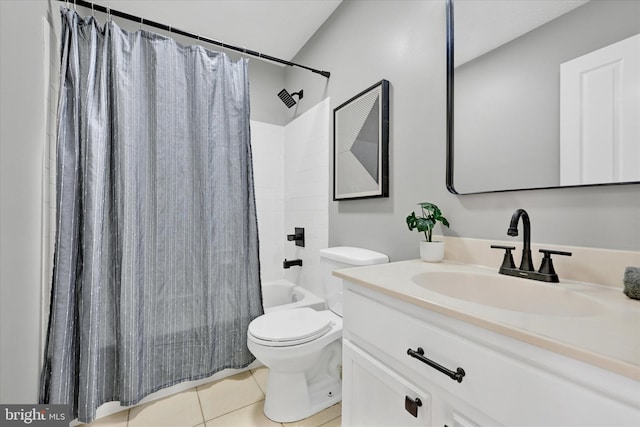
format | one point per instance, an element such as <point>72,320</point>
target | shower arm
<point>143,21</point>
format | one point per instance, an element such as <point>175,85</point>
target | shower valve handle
<point>297,237</point>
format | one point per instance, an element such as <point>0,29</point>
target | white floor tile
<point>249,416</point>
<point>321,418</point>
<point>179,410</point>
<point>229,394</point>
<point>119,419</point>
<point>261,375</point>
<point>333,423</point>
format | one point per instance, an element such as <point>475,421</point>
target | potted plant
<point>429,251</point>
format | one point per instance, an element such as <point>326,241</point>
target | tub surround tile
<point>306,193</point>
<point>267,142</point>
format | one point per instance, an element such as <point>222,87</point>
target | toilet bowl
<point>302,347</point>
<point>304,362</point>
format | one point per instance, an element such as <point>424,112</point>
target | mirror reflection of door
<point>505,96</point>
<point>600,115</point>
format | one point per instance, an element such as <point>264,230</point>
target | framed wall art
<point>361,145</point>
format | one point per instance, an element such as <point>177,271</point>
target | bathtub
<point>282,295</point>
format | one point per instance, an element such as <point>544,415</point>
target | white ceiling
<point>278,28</point>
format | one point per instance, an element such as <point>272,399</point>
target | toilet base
<point>301,400</point>
<point>292,396</point>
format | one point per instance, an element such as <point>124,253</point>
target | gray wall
<point>23,127</point>
<point>404,42</point>
<point>22,137</point>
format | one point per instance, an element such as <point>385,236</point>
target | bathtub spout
<point>288,263</point>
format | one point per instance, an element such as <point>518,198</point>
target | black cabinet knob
<point>412,405</point>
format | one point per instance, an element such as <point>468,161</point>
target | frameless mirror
<point>542,94</point>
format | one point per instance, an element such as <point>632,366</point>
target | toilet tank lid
<point>353,256</point>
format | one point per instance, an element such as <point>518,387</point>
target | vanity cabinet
<point>506,382</point>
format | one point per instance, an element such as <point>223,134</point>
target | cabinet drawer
<point>511,390</point>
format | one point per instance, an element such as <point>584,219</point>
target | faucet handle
<point>507,261</point>
<point>552,252</point>
<point>546,267</point>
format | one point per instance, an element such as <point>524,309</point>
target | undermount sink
<point>509,293</point>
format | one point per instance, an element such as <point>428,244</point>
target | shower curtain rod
<point>143,21</point>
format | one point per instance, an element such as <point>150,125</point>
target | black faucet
<point>525,264</point>
<point>526,270</point>
<point>289,263</point>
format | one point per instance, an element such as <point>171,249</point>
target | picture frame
<point>361,145</point>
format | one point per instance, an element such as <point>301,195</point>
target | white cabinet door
<point>375,396</point>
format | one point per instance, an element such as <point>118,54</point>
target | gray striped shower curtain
<point>156,268</point>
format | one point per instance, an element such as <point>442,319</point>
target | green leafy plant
<point>431,214</point>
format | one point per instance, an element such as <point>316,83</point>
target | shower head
<point>287,98</point>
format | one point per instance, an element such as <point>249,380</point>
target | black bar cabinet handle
<point>456,375</point>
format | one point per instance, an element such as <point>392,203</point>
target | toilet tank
<point>341,257</point>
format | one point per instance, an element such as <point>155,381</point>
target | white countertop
<point>609,339</point>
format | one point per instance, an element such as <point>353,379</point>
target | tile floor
<point>233,401</point>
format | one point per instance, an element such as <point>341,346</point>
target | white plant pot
<point>431,251</point>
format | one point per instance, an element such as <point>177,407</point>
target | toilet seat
<point>289,327</point>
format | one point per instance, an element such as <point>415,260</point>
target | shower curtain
<point>156,268</point>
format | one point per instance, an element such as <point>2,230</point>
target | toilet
<point>302,347</point>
